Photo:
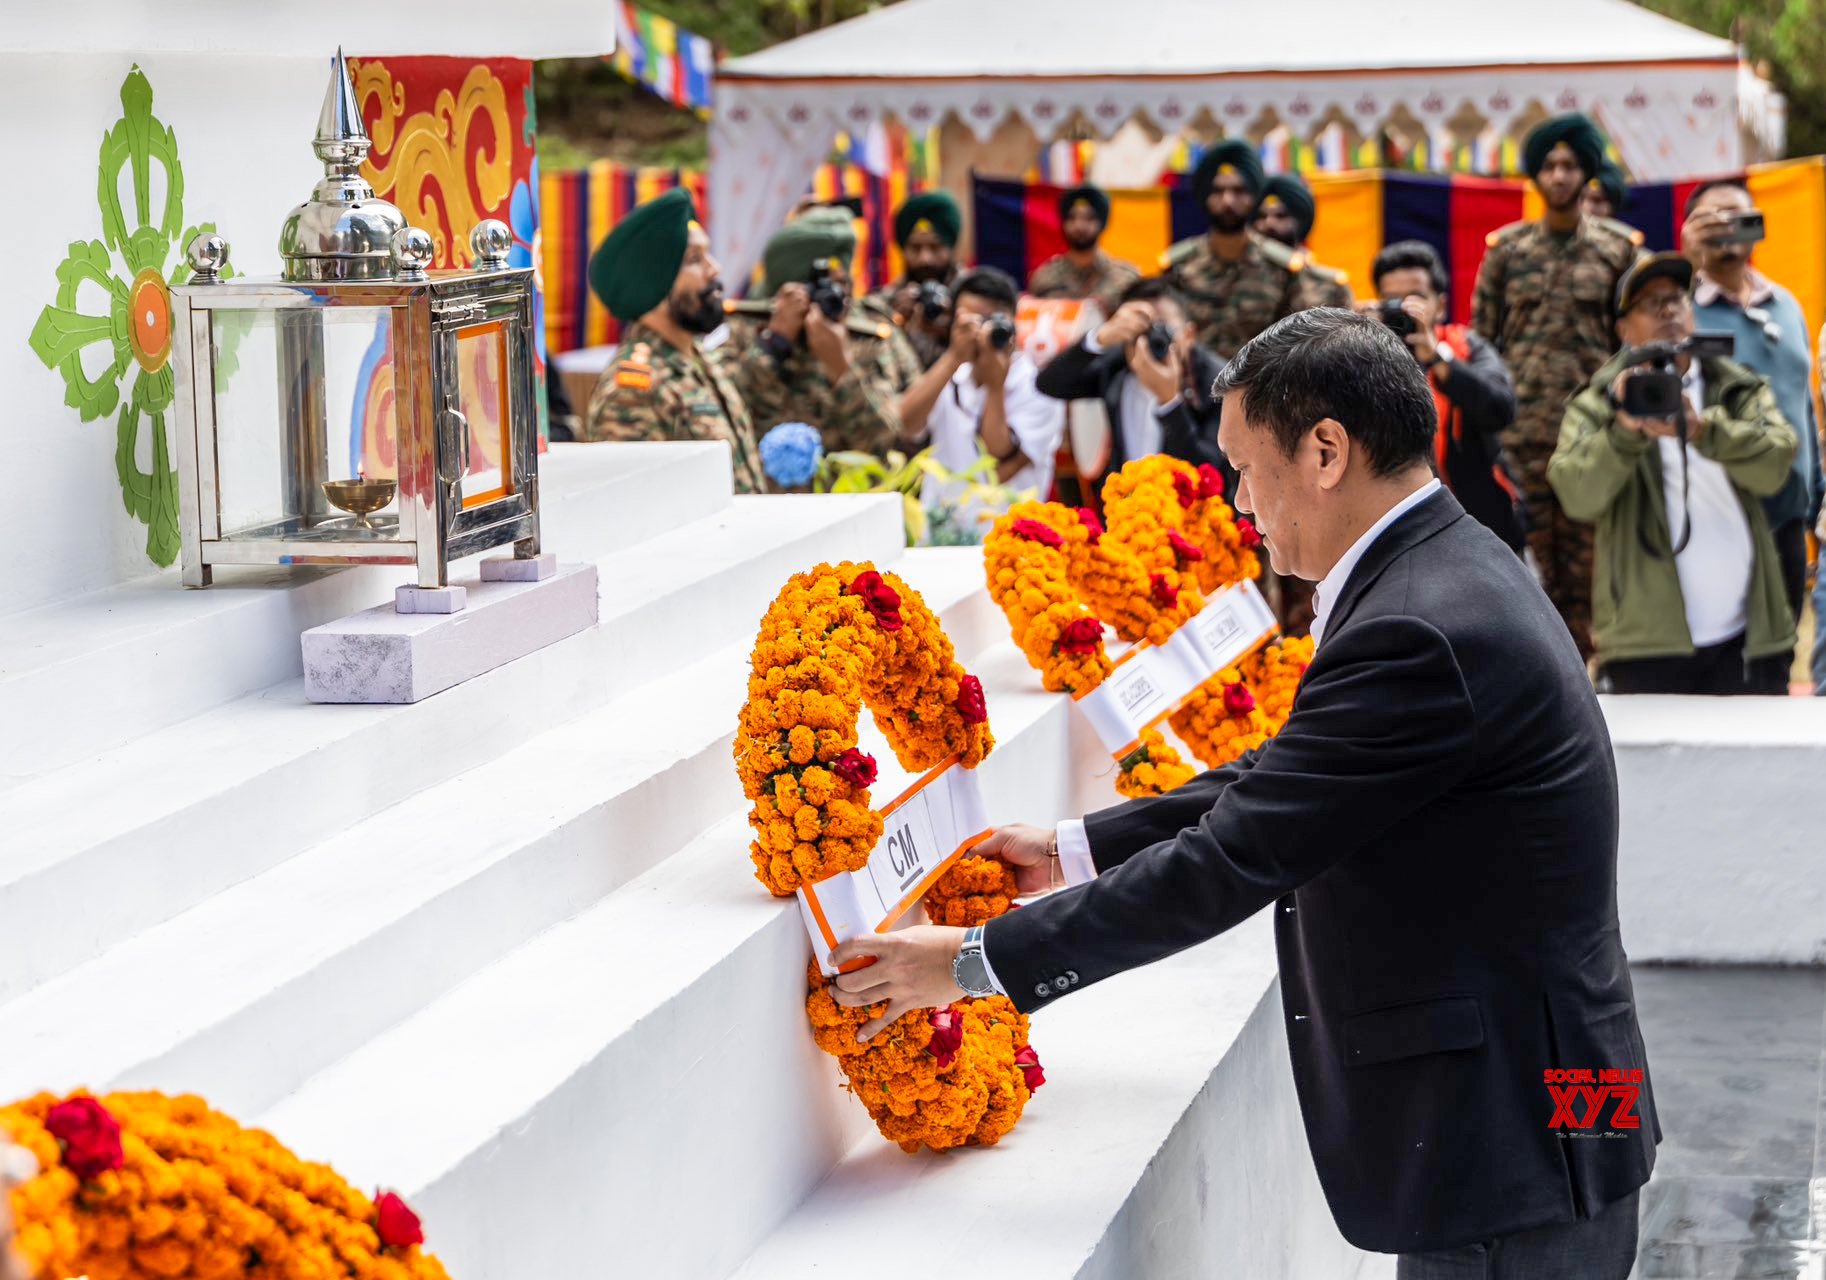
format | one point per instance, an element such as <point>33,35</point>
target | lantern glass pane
<point>482,383</point>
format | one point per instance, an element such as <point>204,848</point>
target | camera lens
<point>1160,342</point>
<point>1001,332</point>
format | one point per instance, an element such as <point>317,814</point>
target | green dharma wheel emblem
<point>128,266</point>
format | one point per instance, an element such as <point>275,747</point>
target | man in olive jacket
<point>1687,589</point>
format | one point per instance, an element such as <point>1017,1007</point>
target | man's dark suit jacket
<point>1188,432</point>
<point>1436,828</point>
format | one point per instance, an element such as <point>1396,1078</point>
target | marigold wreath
<point>142,1186</point>
<point>835,640</point>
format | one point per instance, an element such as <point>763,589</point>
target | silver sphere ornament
<point>207,254</point>
<point>491,241</point>
<point>413,250</point>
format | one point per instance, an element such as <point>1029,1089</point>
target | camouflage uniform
<point>1545,302</point>
<point>654,391</point>
<point>1321,286</point>
<point>1228,303</point>
<point>923,347</point>
<point>859,412</point>
<point>1059,277</point>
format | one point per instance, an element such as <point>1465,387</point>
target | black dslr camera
<point>1000,329</point>
<point>933,301</point>
<point>1653,391</point>
<point>827,293</point>
<point>1397,321</point>
<point>1745,227</point>
<point>1160,342</point>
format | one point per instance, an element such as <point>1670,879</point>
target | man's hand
<point>1132,319</point>
<point>965,329</point>
<point>1031,852</point>
<point>828,343</point>
<point>1700,228</point>
<point>1163,379</point>
<point>912,970</point>
<point>1421,340</point>
<point>790,305</point>
<point>989,365</point>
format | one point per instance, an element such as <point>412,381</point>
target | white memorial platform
<point>502,950</point>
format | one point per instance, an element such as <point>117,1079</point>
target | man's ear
<point>1332,444</point>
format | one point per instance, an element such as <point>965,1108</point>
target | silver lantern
<point>358,408</point>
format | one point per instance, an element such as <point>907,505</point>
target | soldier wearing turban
<point>926,228</point>
<point>1083,270</point>
<point>1285,216</point>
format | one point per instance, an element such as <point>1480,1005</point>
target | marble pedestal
<point>382,655</point>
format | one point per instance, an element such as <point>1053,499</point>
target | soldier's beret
<point>1238,156</point>
<point>819,233</point>
<point>1291,191</point>
<point>938,213</point>
<point>1609,180</point>
<point>1096,197</point>
<point>633,268</point>
<point>1576,131</point>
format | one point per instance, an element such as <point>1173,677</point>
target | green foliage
<point>855,472</point>
<point>1790,35</point>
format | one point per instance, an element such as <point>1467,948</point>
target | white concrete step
<point>246,995</point>
<point>101,850</point>
<point>604,1087</point>
<point>87,674</point>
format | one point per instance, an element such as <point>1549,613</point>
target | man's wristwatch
<point>970,970</point>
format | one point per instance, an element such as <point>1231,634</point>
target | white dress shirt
<point>1036,422</point>
<point>1714,567</point>
<point>1075,860</point>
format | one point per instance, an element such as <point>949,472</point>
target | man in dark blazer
<point>1155,406</point>
<point>1435,828</point>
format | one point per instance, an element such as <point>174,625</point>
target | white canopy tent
<point>1667,95</point>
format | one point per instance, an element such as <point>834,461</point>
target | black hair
<point>988,282</point>
<point>1713,185</point>
<point>1327,362</point>
<point>1150,289</point>
<point>1405,255</point>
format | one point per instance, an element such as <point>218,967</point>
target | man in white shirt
<point>979,398</point>
<point>1687,592</point>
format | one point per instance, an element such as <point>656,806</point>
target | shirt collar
<point>1706,290</point>
<point>1325,595</point>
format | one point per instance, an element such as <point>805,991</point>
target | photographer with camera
<point>1469,381</point>
<point>1154,379</point>
<point>1722,228</point>
<point>980,397</point>
<point>805,354</point>
<point>926,229</point>
<point>1667,451</point>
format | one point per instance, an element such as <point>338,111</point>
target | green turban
<point>937,210</point>
<point>1296,195</point>
<point>1611,182</point>
<point>1096,197</point>
<point>1576,131</point>
<point>1234,153</point>
<point>818,233</point>
<point>633,268</point>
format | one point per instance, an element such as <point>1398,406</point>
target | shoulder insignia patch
<point>635,371</point>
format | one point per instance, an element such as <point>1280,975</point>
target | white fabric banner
<point>938,820</point>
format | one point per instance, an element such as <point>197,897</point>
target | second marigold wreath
<point>1062,577</point>
<point>835,640</point>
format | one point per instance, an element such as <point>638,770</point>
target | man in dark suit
<point>1435,826</point>
<point>1155,405</point>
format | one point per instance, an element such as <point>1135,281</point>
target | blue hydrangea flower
<point>790,453</point>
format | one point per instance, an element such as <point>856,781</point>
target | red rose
<point>1183,551</point>
<point>970,702</point>
<point>1081,635</point>
<point>947,1034</point>
<point>1186,487</point>
<point>1210,481</point>
<point>855,767</point>
<point>1162,592</point>
<point>1035,531</point>
<point>1088,519</point>
<point>1238,701</point>
<point>89,1135</point>
<point>397,1226</point>
<point>1029,1063</point>
<point>1251,538</point>
<point>881,600</point>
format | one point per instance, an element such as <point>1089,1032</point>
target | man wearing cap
<point>926,228</point>
<point>1689,595</point>
<point>1233,283</point>
<point>1544,298</point>
<point>793,363</point>
<point>1083,270</point>
<point>655,274</point>
<point>1285,216</point>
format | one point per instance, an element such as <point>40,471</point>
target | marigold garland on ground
<point>195,1195</point>
<point>1274,672</point>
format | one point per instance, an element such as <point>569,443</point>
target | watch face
<point>971,974</point>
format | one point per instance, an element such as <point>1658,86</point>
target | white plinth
<point>381,655</point>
